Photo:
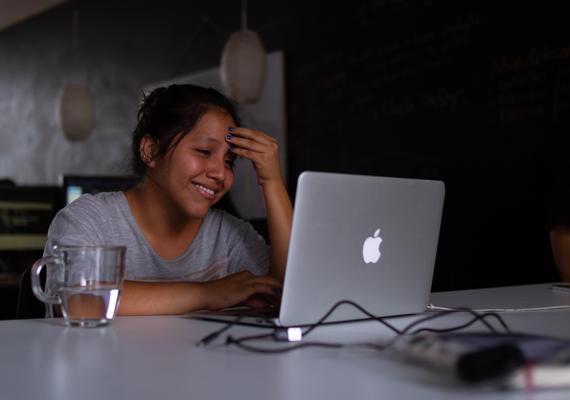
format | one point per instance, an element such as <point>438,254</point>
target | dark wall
<point>472,92</point>
<point>475,93</point>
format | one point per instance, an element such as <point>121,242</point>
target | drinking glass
<point>88,282</point>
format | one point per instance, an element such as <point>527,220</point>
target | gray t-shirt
<point>224,244</point>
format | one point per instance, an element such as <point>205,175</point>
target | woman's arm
<point>263,151</point>
<point>560,243</point>
<point>279,218</point>
<point>148,298</point>
<point>160,298</point>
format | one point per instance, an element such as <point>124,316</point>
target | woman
<point>182,255</point>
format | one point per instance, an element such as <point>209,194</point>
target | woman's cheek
<point>229,181</point>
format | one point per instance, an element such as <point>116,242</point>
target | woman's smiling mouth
<point>206,192</point>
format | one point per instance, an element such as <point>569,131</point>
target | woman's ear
<point>148,150</point>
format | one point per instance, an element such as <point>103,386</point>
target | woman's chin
<point>197,211</point>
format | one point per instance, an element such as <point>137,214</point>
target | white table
<point>155,358</point>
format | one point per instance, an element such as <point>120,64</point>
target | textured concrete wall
<point>36,64</point>
<point>122,48</point>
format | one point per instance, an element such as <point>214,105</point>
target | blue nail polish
<point>229,136</point>
<point>231,129</point>
<point>231,146</point>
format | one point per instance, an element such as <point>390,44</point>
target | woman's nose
<point>216,170</point>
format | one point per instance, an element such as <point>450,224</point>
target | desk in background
<point>155,358</point>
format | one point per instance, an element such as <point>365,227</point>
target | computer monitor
<point>76,185</point>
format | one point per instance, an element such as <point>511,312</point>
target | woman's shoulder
<point>85,219</point>
<point>94,204</point>
<point>104,198</point>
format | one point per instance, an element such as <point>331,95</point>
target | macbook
<point>368,239</point>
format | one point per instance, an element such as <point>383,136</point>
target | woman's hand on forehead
<point>261,149</point>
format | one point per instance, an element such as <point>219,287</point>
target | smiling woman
<point>182,254</point>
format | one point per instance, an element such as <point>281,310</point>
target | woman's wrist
<point>273,186</point>
<point>204,294</point>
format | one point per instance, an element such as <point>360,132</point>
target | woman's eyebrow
<point>209,140</point>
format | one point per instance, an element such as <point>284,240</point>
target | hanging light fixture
<point>76,112</point>
<point>76,107</point>
<point>243,63</point>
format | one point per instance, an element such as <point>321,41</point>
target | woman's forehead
<point>212,126</point>
<point>207,136</point>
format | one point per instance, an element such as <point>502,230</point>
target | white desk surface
<point>155,358</point>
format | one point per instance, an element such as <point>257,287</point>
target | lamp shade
<point>76,112</point>
<point>243,66</point>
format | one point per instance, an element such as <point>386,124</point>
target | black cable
<point>358,307</point>
<point>238,342</point>
<point>212,336</point>
<point>477,317</point>
<point>446,330</point>
<point>209,338</point>
<point>480,317</point>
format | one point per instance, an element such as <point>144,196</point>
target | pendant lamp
<point>76,107</point>
<point>76,112</point>
<point>243,64</point>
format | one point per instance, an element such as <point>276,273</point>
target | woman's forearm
<point>150,298</point>
<point>279,219</point>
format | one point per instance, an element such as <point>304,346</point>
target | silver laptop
<point>368,239</point>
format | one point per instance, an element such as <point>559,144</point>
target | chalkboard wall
<point>475,93</point>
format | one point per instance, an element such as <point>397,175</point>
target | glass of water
<point>88,282</point>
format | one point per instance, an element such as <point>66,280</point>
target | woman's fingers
<point>237,288</point>
<point>265,281</point>
<point>252,288</point>
<point>261,149</point>
<point>254,145</point>
<point>247,144</point>
<point>258,302</point>
<point>253,135</point>
<point>260,285</point>
<point>256,284</point>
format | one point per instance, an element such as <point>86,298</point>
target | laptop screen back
<point>368,239</point>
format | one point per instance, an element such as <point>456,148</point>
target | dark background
<point>475,93</point>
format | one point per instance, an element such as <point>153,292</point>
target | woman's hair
<point>169,111</point>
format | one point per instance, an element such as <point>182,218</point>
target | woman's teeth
<point>205,190</point>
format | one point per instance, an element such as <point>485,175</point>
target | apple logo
<point>371,248</point>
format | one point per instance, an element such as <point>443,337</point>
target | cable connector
<point>206,340</point>
<point>293,334</point>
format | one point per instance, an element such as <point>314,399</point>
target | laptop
<point>368,239</point>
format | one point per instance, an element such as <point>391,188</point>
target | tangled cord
<point>277,334</point>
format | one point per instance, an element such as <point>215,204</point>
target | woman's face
<point>198,171</point>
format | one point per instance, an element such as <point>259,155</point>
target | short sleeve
<point>75,225</point>
<point>69,228</point>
